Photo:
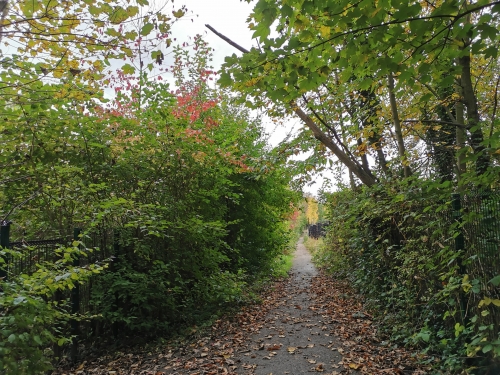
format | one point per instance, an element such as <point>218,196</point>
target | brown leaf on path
<point>320,368</point>
<point>361,347</point>
<point>274,347</point>
<point>356,340</point>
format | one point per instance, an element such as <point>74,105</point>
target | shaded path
<point>310,322</point>
<point>294,339</point>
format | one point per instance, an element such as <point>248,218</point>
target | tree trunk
<point>460,135</point>
<point>366,178</point>
<point>397,127</point>
<point>473,119</point>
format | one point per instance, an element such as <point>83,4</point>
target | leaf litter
<point>329,318</point>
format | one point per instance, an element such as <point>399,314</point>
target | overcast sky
<point>226,16</point>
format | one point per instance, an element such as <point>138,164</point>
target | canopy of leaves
<point>377,83</point>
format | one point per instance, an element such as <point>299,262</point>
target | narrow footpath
<point>307,323</point>
<point>295,339</point>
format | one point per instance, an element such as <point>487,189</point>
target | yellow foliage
<point>325,31</point>
<point>312,210</point>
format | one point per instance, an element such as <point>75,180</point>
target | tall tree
<point>387,46</point>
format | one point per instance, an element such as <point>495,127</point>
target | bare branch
<point>235,45</point>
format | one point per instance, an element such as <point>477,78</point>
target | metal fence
<point>477,237</point>
<point>98,245</point>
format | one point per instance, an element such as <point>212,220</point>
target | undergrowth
<point>396,248</point>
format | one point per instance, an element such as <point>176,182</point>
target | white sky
<point>226,16</point>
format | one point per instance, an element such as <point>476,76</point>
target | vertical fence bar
<point>75,303</point>
<point>4,243</point>
<point>116,250</point>
<point>456,205</point>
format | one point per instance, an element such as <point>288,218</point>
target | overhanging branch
<point>365,177</point>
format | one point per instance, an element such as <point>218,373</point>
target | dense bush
<point>397,245</point>
<point>183,179</point>
<point>34,313</point>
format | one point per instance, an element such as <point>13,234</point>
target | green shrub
<point>396,243</point>
<point>32,318</point>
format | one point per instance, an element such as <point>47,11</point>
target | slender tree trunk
<point>364,158</point>
<point>460,134</point>
<point>470,100</point>
<point>473,119</point>
<point>351,181</point>
<point>365,177</point>
<point>397,127</point>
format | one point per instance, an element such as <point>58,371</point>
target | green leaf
<point>287,11</point>
<point>18,300</point>
<point>112,32</point>
<point>487,348</point>
<point>128,69</point>
<point>178,13</point>
<point>495,281</point>
<point>225,80</point>
<point>366,83</point>
<point>118,16</point>
<point>94,11</point>
<point>131,35</point>
<point>146,29</point>
<point>132,10</point>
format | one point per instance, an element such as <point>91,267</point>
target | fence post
<point>456,205</point>
<point>4,243</point>
<point>75,303</point>
<point>116,248</point>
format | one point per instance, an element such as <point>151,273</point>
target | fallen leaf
<point>320,368</point>
<point>274,347</point>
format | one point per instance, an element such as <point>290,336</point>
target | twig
<point>235,45</point>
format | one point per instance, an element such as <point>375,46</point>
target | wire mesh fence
<point>98,245</point>
<point>478,237</point>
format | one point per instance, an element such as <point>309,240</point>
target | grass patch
<point>282,265</point>
<point>313,245</point>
